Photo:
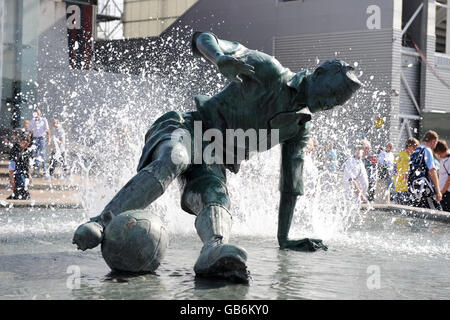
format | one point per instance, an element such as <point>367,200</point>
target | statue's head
<point>330,85</point>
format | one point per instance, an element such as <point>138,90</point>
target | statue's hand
<point>303,245</point>
<point>234,69</point>
<point>88,235</point>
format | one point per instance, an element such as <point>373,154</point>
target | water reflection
<point>219,289</point>
<point>290,276</point>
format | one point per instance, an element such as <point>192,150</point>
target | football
<point>134,241</point>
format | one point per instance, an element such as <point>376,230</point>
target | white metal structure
<point>109,19</point>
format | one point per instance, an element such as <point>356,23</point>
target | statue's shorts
<point>201,184</point>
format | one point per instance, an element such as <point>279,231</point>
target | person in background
<point>386,167</point>
<point>331,160</point>
<point>444,173</point>
<point>27,130</point>
<point>401,169</point>
<point>370,163</point>
<point>19,167</point>
<point>355,175</point>
<point>40,130</point>
<point>58,156</point>
<point>423,180</point>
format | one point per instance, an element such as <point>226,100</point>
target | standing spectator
<point>401,169</point>
<point>386,167</point>
<point>355,175</point>
<point>41,135</point>
<point>331,158</point>
<point>370,163</point>
<point>444,173</point>
<point>27,130</point>
<point>423,180</point>
<point>58,156</point>
<point>19,168</point>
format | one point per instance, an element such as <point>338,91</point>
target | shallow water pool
<point>386,257</point>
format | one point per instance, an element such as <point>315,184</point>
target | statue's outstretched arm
<point>291,186</point>
<point>207,45</point>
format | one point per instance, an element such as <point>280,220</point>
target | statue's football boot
<point>218,259</point>
<point>88,235</point>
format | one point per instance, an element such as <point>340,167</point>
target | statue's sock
<point>138,193</point>
<point>213,222</point>
<point>217,257</point>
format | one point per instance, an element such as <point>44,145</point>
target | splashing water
<point>108,114</point>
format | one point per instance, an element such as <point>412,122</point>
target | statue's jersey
<point>265,104</point>
<point>250,104</point>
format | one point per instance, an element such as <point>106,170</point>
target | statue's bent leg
<point>144,188</point>
<point>218,258</point>
<point>207,197</point>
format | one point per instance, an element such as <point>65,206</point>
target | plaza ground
<point>55,192</point>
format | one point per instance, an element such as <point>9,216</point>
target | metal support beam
<point>411,20</point>
<point>105,6</point>
<point>106,18</point>
<point>441,15</point>
<point>112,31</point>
<point>405,126</point>
<point>82,2</point>
<point>410,93</point>
<point>109,19</point>
<point>438,4</point>
<point>408,129</point>
<point>410,117</point>
<point>402,127</point>
<point>410,53</point>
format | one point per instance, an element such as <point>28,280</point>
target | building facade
<point>400,48</point>
<point>40,38</point>
<point>149,18</point>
